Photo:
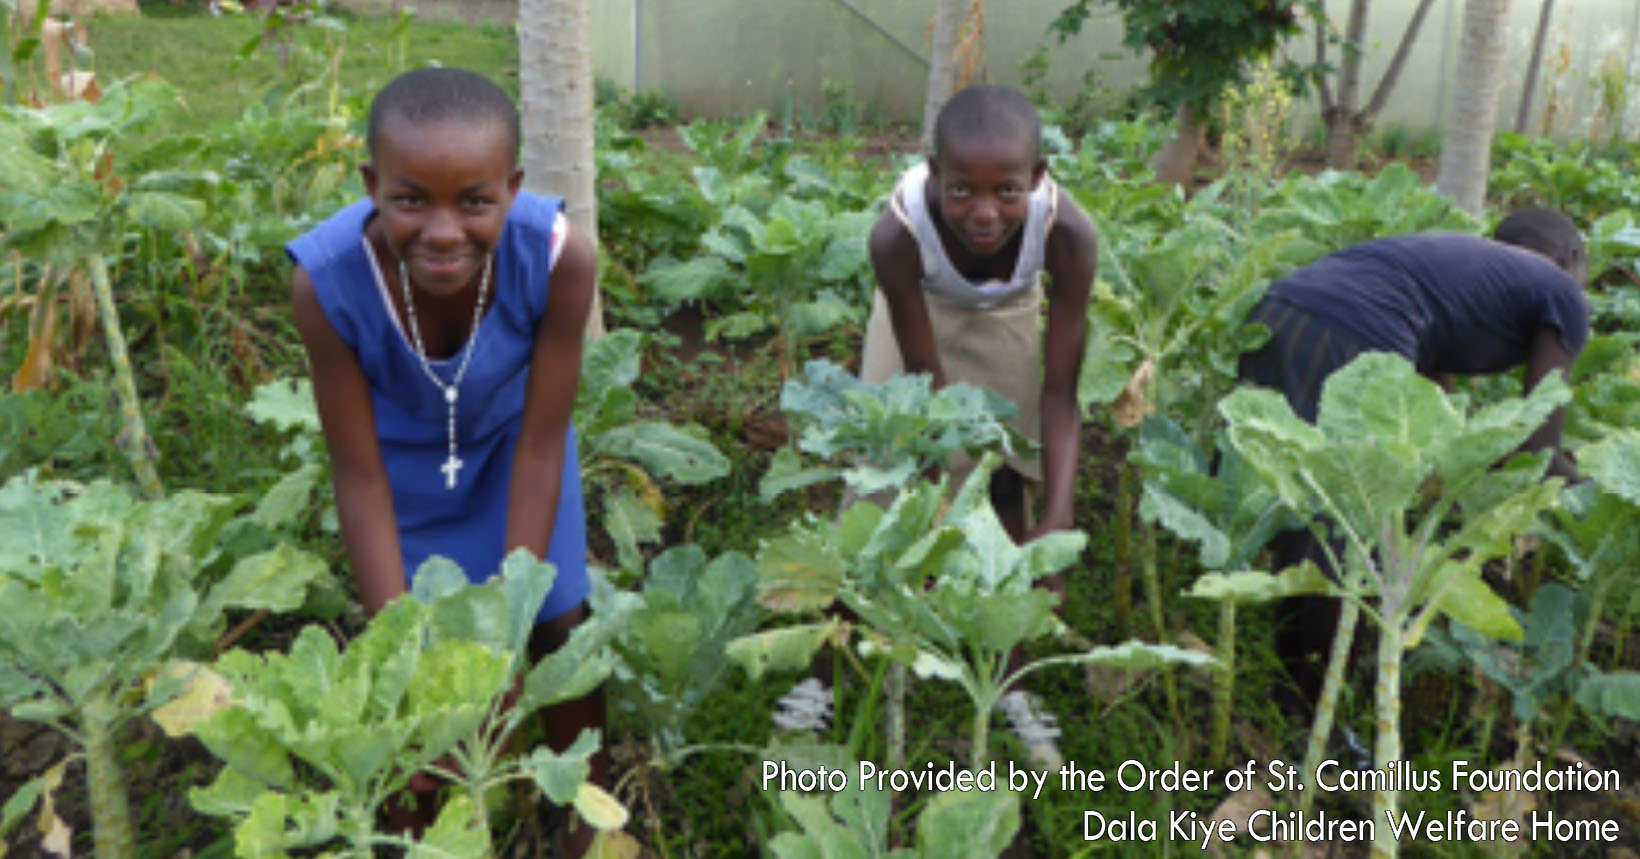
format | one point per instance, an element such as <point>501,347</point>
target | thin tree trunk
<point>1529,89</point>
<point>942,64</point>
<point>1466,153</point>
<point>1176,162</point>
<point>1342,114</point>
<point>555,89</point>
<point>1349,75</point>
<point>1348,122</point>
<point>1380,95</point>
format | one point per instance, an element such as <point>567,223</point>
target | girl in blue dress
<point>443,319</point>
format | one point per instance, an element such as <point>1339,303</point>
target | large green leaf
<point>972,824</point>
<point>696,279</point>
<point>1249,587</point>
<point>800,572</point>
<point>788,648</point>
<point>630,523</point>
<point>276,580</point>
<point>1614,463</point>
<point>665,450</point>
<point>560,775</point>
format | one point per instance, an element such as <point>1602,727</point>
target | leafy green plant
<point>317,740</point>
<point>1336,210</point>
<point>623,458</point>
<point>63,209</point>
<point>888,433</point>
<point>103,591</point>
<point>856,822</point>
<point>1571,177</point>
<point>941,588</point>
<point>1231,515</point>
<point>672,651</point>
<point>785,269</point>
<point>1382,433</point>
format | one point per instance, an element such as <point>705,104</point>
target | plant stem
<point>896,715</point>
<point>110,809</point>
<point>1332,684</point>
<point>138,447</point>
<point>1153,587</point>
<point>1224,683</point>
<point>1122,585</point>
<point>1385,803</point>
<point>1597,602</point>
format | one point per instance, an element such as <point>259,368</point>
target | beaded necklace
<point>452,392</point>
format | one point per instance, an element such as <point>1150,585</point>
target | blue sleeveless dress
<point>467,524</point>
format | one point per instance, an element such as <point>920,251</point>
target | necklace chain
<point>452,392</point>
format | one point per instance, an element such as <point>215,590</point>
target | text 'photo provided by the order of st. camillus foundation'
<point>1264,801</point>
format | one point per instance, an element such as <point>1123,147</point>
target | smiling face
<point>983,188</point>
<point>442,190</point>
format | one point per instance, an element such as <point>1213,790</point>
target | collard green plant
<point>1605,389</point>
<point>855,822</point>
<point>1230,514</point>
<point>101,593</point>
<point>941,588</point>
<point>317,740</point>
<point>63,208</point>
<point>672,651</point>
<point>1336,210</point>
<point>889,433</point>
<point>799,267</point>
<point>623,458</point>
<point>1383,432</point>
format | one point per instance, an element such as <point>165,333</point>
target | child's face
<point>442,191</point>
<point>984,189</point>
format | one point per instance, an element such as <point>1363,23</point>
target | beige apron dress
<point>987,334</point>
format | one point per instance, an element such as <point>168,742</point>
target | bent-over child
<point>960,255</point>
<point>1450,304</point>
<point>443,317</point>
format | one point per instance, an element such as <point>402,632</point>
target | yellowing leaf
<point>1130,407</point>
<point>598,808</point>
<point>55,834</point>
<point>206,692</point>
<point>612,844</point>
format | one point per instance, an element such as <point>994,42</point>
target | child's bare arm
<point>1072,257</point>
<point>898,266</point>
<point>555,373</point>
<point>1549,354</point>
<point>364,502</point>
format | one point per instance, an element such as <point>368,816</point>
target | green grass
<point>201,55</point>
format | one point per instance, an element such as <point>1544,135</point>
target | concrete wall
<point>726,57</point>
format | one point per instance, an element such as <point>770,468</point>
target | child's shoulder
<point>1071,226</point>
<point>535,212</point>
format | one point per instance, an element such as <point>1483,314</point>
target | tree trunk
<point>1176,162</point>
<point>1466,153</point>
<point>1347,121</point>
<point>1345,128</point>
<point>555,90</point>
<point>1529,89</point>
<point>942,64</point>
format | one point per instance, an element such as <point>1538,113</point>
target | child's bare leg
<point>563,722</point>
<point>1008,499</point>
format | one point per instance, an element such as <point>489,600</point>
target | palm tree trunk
<point>942,64</point>
<point>555,89</point>
<point>1466,155</point>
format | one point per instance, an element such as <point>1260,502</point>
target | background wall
<point>726,57</point>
